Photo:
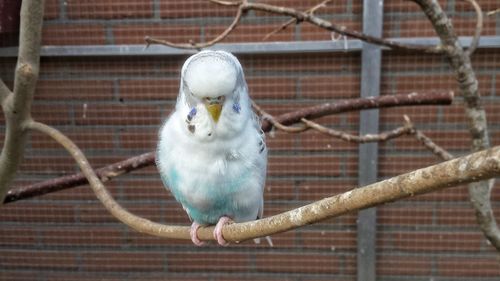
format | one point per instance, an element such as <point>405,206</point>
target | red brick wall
<point>113,107</point>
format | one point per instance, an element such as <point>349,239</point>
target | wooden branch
<point>477,166</point>
<point>4,91</point>
<point>321,110</point>
<point>479,28</point>
<point>147,159</point>
<point>198,46</point>
<point>479,192</point>
<point>298,16</point>
<point>17,105</point>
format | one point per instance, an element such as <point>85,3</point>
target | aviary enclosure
<point>381,119</point>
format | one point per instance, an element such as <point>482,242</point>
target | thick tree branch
<point>17,106</point>
<point>148,159</point>
<point>480,192</point>
<point>478,166</point>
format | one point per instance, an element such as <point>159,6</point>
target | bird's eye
<point>207,99</point>
<point>219,98</point>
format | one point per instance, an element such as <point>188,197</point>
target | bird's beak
<point>214,107</point>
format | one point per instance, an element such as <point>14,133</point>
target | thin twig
<point>384,136</point>
<point>493,12</point>
<point>479,28</point>
<point>266,116</point>
<point>198,46</point>
<point>477,166</point>
<point>294,20</point>
<point>244,6</point>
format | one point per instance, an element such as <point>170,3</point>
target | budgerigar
<point>211,151</point>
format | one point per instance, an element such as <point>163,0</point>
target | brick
<point>150,189</point>
<point>300,5</point>
<point>51,10</point>
<point>29,212</point>
<point>486,5</point>
<point>403,265</point>
<point>53,114</point>
<point>396,6</point>
<point>437,83</point>
<point>248,33</point>
<point>281,141</point>
<point>149,89</point>
<point>313,140</point>
<point>146,139</point>
<point>396,165</point>
<point>312,190</point>
<point>83,138</point>
<point>49,164</point>
<point>39,259</point>
<point>18,236</point>
<point>100,236</point>
<point>462,26</point>
<point>398,216</point>
<point>297,263</point>
<point>329,240</point>
<point>194,9</point>
<point>317,63</point>
<point>207,262</point>
<point>122,261</point>
<point>118,114</point>
<point>456,216</point>
<point>330,87</point>
<point>271,87</point>
<point>449,140</point>
<point>430,241</point>
<point>472,266</point>
<point>422,114</point>
<point>276,189</point>
<point>74,90</point>
<point>95,9</point>
<point>135,34</point>
<point>303,165</point>
<point>73,34</point>
<point>312,32</point>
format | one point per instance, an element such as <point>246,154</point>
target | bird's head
<point>211,78</point>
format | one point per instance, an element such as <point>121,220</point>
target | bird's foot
<point>218,230</point>
<point>194,236</point>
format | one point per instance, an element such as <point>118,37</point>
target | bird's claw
<point>218,230</point>
<point>194,236</point>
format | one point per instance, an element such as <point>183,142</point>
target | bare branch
<point>4,91</point>
<point>17,106</point>
<point>294,20</point>
<point>147,159</point>
<point>298,16</point>
<point>199,46</point>
<point>403,130</point>
<point>493,12</point>
<point>478,128</point>
<point>479,28</point>
<point>481,165</point>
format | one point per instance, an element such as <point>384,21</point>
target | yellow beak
<point>214,109</point>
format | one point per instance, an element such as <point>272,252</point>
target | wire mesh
<point>112,107</point>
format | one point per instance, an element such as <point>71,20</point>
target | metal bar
<point>237,48</point>
<point>371,64</point>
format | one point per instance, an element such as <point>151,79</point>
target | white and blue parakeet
<point>211,151</point>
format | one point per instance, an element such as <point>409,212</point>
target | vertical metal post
<point>368,153</point>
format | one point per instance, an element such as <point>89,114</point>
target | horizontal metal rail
<point>341,45</point>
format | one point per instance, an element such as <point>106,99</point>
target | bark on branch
<point>16,105</point>
<point>478,166</point>
<point>480,192</point>
<point>147,159</point>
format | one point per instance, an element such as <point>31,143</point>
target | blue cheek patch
<point>191,114</point>
<point>236,107</point>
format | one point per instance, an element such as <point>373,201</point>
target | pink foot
<point>194,236</point>
<point>218,230</point>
